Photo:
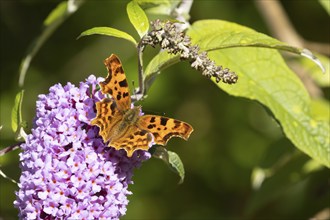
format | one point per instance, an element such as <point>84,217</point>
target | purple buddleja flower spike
<point>67,170</point>
<point>173,40</point>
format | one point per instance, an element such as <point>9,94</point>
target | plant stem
<point>10,148</point>
<point>141,90</point>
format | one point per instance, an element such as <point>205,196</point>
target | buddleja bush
<point>69,173</point>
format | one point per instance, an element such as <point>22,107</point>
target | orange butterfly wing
<point>115,83</point>
<point>163,128</point>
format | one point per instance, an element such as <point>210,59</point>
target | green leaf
<point>320,109</point>
<point>55,14</point>
<point>108,31</point>
<point>312,166</point>
<point>326,5</point>
<point>159,7</point>
<point>218,34</point>
<point>265,77</point>
<point>171,159</point>
<point>138,18</point>
<point>176,164</point>
<point>222,34</point>
<point>51,23</point>
<point>321,78</point>
<point>16,112</point>
<point>16,117</point>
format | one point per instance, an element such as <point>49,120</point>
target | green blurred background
<point>232,138</point>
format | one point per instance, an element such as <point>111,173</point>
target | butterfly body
<point>123,126</point>
<point>131,116</point>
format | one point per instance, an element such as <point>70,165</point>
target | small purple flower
<point>67,170</point>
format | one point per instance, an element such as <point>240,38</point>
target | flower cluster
<point>67,170</point>
<point>171,38</point>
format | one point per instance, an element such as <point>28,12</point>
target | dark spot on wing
<point>163,121</point>
<point>152,119</point>
<point>123,83</point>
<point>177,124</point>
<point>143,132</point>
<point>120,69</point>
<point>156,135</point>
<point>113,106</point>
<point>125,94</point>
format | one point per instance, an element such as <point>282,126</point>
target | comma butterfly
<point>122,125</point>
